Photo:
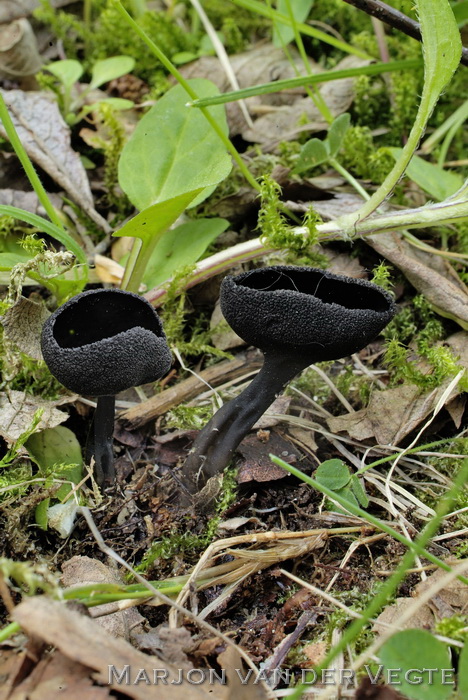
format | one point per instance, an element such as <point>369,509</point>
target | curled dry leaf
<point>282,124</point>
<point>108,270</point>
<point>23,323</point>
<point>13,9</point>
<point>446,602</point>
<point>81,571</point>
<point>393,413</point>
<point>17,412</point>
<point>27,200</point>
<point>431,276</point>
<point>46,138</point>
<point>278,114</point>
<point>19,55</point>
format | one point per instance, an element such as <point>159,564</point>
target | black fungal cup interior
<point>103,315</point>
<point>323,315</point>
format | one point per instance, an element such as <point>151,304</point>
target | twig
<point>396,19</point>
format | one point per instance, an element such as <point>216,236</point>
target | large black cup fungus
<point>297,316</point>
<point>102,342</point>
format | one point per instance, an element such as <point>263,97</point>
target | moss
<point>454,627</point>
<point>189,417</point>
<point>238,25</point>
<point>419,325</point>
<point>110,35</point>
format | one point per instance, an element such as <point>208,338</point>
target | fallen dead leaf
<point>446,602</point>
<point>429,274</point>
<point>82,571</point>
<point>28,200</point>
<point>13,9</point>
<point>257,465</point>
<point>19,55</point>
<point>17,411</point>
<point>108,270</point>
<point>393,413</point>
<point>283,123</point>
<point>82,641</point>
<point>53,675</point>
<point>46,138</point>
<point>23,323</point>
<point>222,336</point>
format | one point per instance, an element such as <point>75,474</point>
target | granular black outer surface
<point>303,310</point>
<point>104,341</point>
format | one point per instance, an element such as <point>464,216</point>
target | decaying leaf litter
<point>265,573</point>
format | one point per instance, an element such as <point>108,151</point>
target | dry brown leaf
<point>339,204</point>
<point>429,274</point>
<point>238,687</point>
<point>108,270</point>
<point>257,465</point>
<point>12,9</point>
<point>223,337</point>
<point>283,123</point>
<point>27,200</point>
<point>448,601</point>
<point>80,639</point>
<point>82,571</point>
<point>46,138</point>
<point>52,675</point>
<point>261,64</point>
<point>315,652</point>
<point>23,323</point>
<point>393,413</point>
<point>17,411</point>
<point>19,55</point>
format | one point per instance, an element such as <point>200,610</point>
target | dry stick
<point>396,19</point>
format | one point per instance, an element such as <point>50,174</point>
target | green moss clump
<point>419,325</point>
<point>109,35</point>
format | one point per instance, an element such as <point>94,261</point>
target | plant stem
<point>291,83</point>
<point>349,178</point>
<point>388,588</point>
<point>103,440</point>
<point>29,169</point>
<point>449,211</point>
<point>261,9</point>
<point>215,444</point>
<point>191,93</point>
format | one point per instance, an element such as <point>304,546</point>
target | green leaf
<point>437,182</point>
<point>181,246</point>
<point>173,150</point>
<point>334,474</point>
<point>68,71</point>
<point>408,653</point>
<point>300,9</point>
<point>442,45</point>
<point>117,103</point>
<point>40,514</point>
<point>55,447</point>
<point>313,152</point>
<point>358,491</point>
<point>109,69</point>
<point>348,495</point>
<point>47,227</point>
<point>337,132</point>
<point>463,673</point>
<point>460,11</point>
<point>153,221</point>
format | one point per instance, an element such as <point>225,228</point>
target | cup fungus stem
<point>215,445</point>
<point>103,440</point>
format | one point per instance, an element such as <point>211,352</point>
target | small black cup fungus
<point>102,342</point>
<point>296,316</point>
